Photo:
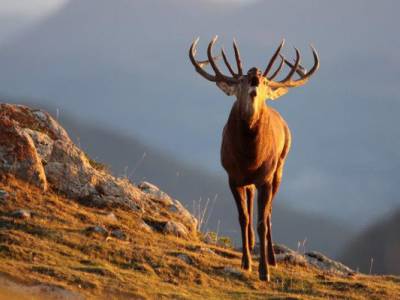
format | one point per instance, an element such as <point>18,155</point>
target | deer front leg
<point>264,204</point>
<point>239,193</point>
<point>271,252</point>
<point>250,197</point>
<point>275,187</point>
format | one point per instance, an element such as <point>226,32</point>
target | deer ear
<point>276,93</point>
<point>229,89</point>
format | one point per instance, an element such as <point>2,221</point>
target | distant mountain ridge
<point>377,248</point>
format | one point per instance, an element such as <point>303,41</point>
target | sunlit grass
<point>54,248</point>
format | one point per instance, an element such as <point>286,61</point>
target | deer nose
<point>255,81</point>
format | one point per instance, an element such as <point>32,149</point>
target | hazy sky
<point>29,7</point>
<point>17,16</point>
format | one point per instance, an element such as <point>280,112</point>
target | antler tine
<point>273,58</point>
<point>199,69</point>
<point>203,63</point>
<point>237,56</point>
<point>316,62</point>
<point>218,73</point>
<point>228,65</point>
<point>278,69</point>
<point>301,71</point>
<point>294,68</point>
<point>303,79</point>
<point>210,58</point>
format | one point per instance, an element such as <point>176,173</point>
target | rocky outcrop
<point>309,259</point>
<point>34,147</point>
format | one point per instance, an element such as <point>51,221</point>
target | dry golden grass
<point>53,248</point>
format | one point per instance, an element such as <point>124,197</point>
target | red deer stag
<point>255,141</point>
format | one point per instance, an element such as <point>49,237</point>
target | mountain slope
<point>54,254</point>
<point>377,248</point>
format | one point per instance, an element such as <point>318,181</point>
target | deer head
<point>251,90</point>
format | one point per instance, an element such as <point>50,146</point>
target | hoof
<point>264,277</point>
<point>273,264</point>
<point>246,266</point>
<point>271,259</point>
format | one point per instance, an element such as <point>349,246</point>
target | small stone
<point>173,208</point>
<point>206,250</point>
<point>232,271</point>
<point>145,227</point>
<point>111,217</point>
<point>147,187</point>
<point>155,193</point>
<point>3,195</point>
<point>119,234</point>
<point>176,229</point>
<point>21,214</point>
<point>97,229</point>
<point>184,258</point>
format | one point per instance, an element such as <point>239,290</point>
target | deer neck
<point>250,116</point>
<point>250,111</point>
<point>248,135</point>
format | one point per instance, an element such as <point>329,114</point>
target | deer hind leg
<point>250,198</point>
<point>239,193</point>
<point>264,207</point>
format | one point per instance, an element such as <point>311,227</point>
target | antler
<point>218,74</point>
<point>287,82</point>
<point>238,61</point>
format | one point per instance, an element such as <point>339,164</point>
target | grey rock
<point>111,217</point>
<point>293,258</point>
<point>19,157</point>
<point>185,258</point>
<point>119,234</point>
<point>47,156</point>
<point>315,259</point>
<point>232,271</point>
<point>3,195</point>
<point>175,228</point>
<point>21,214</point>
<point>143,226</point>
<point>322,262</point>
<point>282,249</point>
<point>97,229</point>
<point>155,193</point>
<point>184,215</point>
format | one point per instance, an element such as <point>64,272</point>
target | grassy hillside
<point>55,247</point>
